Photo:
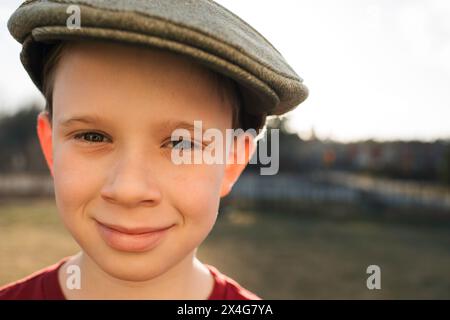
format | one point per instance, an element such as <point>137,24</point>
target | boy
<point>120,78</point>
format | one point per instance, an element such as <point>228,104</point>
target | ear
<point>240,153</point>
<point>44,131</point>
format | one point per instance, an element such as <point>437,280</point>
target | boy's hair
<point>228,89</point>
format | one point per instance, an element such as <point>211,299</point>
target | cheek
<point>195,195</point>
<point>76,180</point>
<point>196,192</point>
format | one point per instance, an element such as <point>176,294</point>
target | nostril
<point>149,203</point>
<point>132,197</point>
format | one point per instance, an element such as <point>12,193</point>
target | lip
<point>131,239</point>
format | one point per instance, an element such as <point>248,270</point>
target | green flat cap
<point>200,29</point>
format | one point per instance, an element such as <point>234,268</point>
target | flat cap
<point>200,29</point>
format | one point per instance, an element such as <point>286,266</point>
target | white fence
<point>25,185</point>
<point>340,187</point>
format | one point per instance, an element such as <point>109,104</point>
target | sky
<point>376,69</point>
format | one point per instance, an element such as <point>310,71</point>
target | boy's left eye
<point>90,137</point>
<point>184,144</point>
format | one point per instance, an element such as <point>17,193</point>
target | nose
<point>131,183</point>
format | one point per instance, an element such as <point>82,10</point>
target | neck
<point>189,279</point>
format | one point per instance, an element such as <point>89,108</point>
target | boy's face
<point>112,168</point>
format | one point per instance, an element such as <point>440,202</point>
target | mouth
<point>131,239</point>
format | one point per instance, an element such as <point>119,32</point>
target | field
<point>277,255</point>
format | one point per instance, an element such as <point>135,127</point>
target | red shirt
<point>44,285</point>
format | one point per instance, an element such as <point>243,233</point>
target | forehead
<point>128,82</point>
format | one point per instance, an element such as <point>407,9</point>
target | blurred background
<point>364,163</point>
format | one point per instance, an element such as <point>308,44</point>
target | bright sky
<point>375,68</point>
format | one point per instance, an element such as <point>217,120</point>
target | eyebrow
<point>81,119</point>
<point>167,124</point>
<point>172,125</point>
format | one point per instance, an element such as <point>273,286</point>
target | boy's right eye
<point>90,137</point>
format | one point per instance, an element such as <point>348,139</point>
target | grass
<point>274,254</point>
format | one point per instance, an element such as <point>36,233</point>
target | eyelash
<point>79,136</point>
<point>192,144</point>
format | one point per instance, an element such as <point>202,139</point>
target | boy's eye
<point>183,144</point>
<point>91,137</point>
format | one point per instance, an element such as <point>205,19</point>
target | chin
<point>132,266</point>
